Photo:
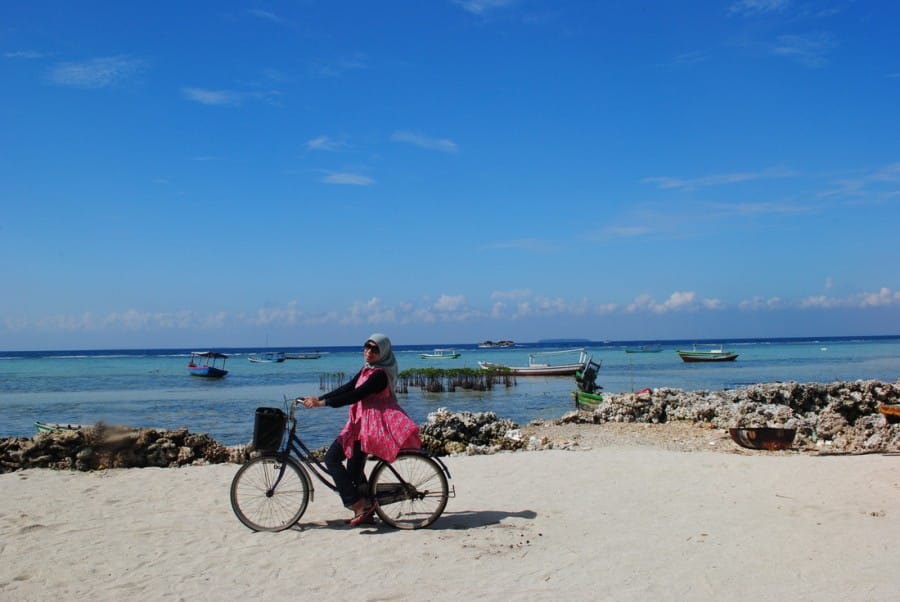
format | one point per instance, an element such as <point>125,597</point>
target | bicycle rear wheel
<point>411,492</point>
<point>263,505</point>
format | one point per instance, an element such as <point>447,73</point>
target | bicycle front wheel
<point>270,493</point>
<point>411,492</point>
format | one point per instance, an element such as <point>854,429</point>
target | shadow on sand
<point>449,521</point>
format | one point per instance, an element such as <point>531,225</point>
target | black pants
<point>349,480</point>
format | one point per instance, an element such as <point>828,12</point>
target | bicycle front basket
<point>268,429</point>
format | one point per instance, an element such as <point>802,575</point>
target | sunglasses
<point>371,347</point>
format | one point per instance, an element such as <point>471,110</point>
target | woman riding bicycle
<point>377,425</point>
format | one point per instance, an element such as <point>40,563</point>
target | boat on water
<point>49,427</point>
<point>304,355</point>
<point>539,363</point>
<point>712,354</point>
<point>269,357</point>
<point>441,354</point>
<point>207,364</point>
<point>495,344</point>
<point>588,396</point>
<point>644,349</point>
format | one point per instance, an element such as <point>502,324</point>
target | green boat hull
<point>587,401</point>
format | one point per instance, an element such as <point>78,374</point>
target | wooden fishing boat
<point>539,364</point>
<point>587,401</point>
<point>711,354</point>
<point>207,364</point>
<point>269,357</point>
<point>48,427</point>
<point>587,396</point>
<point>441,354</point>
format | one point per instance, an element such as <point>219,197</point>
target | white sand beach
<point>605,523</point>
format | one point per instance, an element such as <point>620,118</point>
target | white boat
<point>49,427</point>
<point>539,363</point>
<point>269,357</point>
<point>715,353</point>
<point>304,355</point>
<point>441,354</point>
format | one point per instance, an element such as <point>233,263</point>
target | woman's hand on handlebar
<point>312,402</point>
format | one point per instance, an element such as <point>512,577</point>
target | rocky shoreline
<point>840,417</point>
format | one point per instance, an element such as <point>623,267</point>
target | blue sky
<point>225,173</point>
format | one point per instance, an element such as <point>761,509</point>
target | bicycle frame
<point>295,447</point>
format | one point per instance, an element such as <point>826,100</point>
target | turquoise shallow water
<point>153,388</point>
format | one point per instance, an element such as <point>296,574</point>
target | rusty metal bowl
<point>891,412</point>
<point>763,437</point>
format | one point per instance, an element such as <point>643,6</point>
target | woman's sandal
<point>364,517</point>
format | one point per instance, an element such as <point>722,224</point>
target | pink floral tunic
<point>379,424</point>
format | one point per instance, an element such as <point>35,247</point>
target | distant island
<point>488,344</point>
<point>562,341</point>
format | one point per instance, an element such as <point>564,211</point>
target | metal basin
<point>763,437</point>
<point>891,412</point>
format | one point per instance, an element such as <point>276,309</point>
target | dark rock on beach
<point>839,417</point>
<point>101,446</point>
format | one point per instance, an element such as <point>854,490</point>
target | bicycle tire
<point>257,505</point>
<point>420,502</point>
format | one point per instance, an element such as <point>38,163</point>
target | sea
<point>152,387</point>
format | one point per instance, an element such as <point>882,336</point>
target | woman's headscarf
<point>386,360</point>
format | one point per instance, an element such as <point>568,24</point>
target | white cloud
<point>338,67</point>
<point>761,208</point>
<point>677,301</point>
<point>875,186</point>
<point>882,298</point>
<point>686,184</point>
<point>480,7</point>
<point>498,310</point>
<point>369,312</point>
<point>351,179</point>
<point>23,54</point>
<point>511,294</point>
<point>605,309</point>
<point>760,303</point>
<point>95,73</point>
<point>213,97</point>
<point>449,303</point>
<point>546,306</point>
<point>427,142</point>
<point>266,15</point>
<point>288,315</point>
<point>756,7</point>
<point>512,305</point>
<point>628,231</point>
<point>809,49</point>
<point>324,143</point>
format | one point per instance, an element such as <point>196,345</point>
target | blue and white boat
<point>441,354</point>
<point>207,365</point>
<point>269,357</point>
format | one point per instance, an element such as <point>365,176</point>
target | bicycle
<point>272,491</point>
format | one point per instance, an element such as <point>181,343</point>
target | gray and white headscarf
<point>386,360</point>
